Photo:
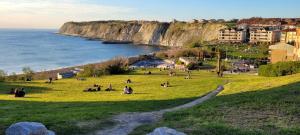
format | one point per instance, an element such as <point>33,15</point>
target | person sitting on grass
<point>98,88</point>
<point>20,93</point>
<point>109,88</point>
<point>128,81</point>
<point>125,90</point>
<point>167,84</point>
<point>188,77</point>
<point>130,90</point>
<point>49,80</point>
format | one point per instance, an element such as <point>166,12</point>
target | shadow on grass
<point>67,117</point>
<point>273,111</point>
<point>7,86</point>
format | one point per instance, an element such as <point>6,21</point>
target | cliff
<point>144,32</point>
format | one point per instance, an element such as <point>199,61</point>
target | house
<point>63,75</point>
<point>232,35</point>
<point>288,36</point>
<point>297,45</point>
<point>281,52</point>
<point>188,60</point>
<point>264,35</point>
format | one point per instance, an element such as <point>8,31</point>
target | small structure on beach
<point>188,60</point>
<point>63,75</point>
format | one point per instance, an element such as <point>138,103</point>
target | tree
<point>12,77</point>
<point>28,73</point>
<point>2,75</point>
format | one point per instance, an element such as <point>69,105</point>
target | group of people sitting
<point>166,84</point>
<point>128,90</point>
<point>96,88</point>
<point>17,92</point>
<point>172,73</point>
<point>93,89</point>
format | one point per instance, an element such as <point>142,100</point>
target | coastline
<point>53,72</point>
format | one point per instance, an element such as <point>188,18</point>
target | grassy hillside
<point>249,105</point>
<point>64,108</point>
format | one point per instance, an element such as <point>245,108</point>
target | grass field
<point>249,105</point>
<point>64,108</point>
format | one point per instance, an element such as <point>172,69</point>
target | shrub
<point>28,73</point>
<point>279,69</point>
<point>161,55</point>
<point>13,77</point>
<point>186,53</point>
<point>2,76</point>
<point>88,71</point>
<point>193,66</point>
<point>114,66</point>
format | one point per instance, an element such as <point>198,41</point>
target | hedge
<point>279,69</point>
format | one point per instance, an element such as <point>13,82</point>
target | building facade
<point>281,52</point>
<point>297,45</point>
<point>288,36</point>
<point>264,35</point>
<point>286,52</point>
<point>232,35</point>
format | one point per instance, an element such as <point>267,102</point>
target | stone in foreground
<point>165,131</point>
<point>28,128</point>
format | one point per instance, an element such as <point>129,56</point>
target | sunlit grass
<point>63,104</point>
<point>249,105</point>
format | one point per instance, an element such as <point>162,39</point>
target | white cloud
<point>52,13</point>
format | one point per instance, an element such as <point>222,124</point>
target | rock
<point>144,32</point>
<point>165,131</point>
<point>28,128</point>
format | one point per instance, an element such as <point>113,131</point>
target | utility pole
<point>219,64</point>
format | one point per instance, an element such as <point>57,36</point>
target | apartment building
<point>286,52</point>
<point>264,35</point>
<point>297,45</point>
<point>288,36</point>
<point>232,35</point>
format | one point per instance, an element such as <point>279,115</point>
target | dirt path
<point>127,122</point>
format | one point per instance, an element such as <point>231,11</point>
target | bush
<point>193,66</point>
<point>2,76</point>
<point>161,55</point>
<point>279,69</point>
<point>28,73</point>
<point>115,66</point>
<point>88,71</point>
<point>13,77</point>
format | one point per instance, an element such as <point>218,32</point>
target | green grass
<point>249,105</point>
<point>244,51</point>
<point>64,108</point>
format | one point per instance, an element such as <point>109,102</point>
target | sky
<point>53,13</point>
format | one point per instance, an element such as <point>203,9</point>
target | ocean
<point>45,50</point>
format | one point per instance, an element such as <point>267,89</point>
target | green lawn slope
<point>66,109</point>
<point>249,105</point>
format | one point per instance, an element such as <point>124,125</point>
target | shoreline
<point>39,75</point>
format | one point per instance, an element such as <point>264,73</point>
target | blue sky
<point>53,13</point>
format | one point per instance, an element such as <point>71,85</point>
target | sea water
<point>45,50</point>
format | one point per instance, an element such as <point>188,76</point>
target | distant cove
<point>44,50</point>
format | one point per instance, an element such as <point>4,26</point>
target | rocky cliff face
<point>144,32</point>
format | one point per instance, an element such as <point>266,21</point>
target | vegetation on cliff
<point>144,32</point>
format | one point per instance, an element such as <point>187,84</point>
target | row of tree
<point>26,76</point>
